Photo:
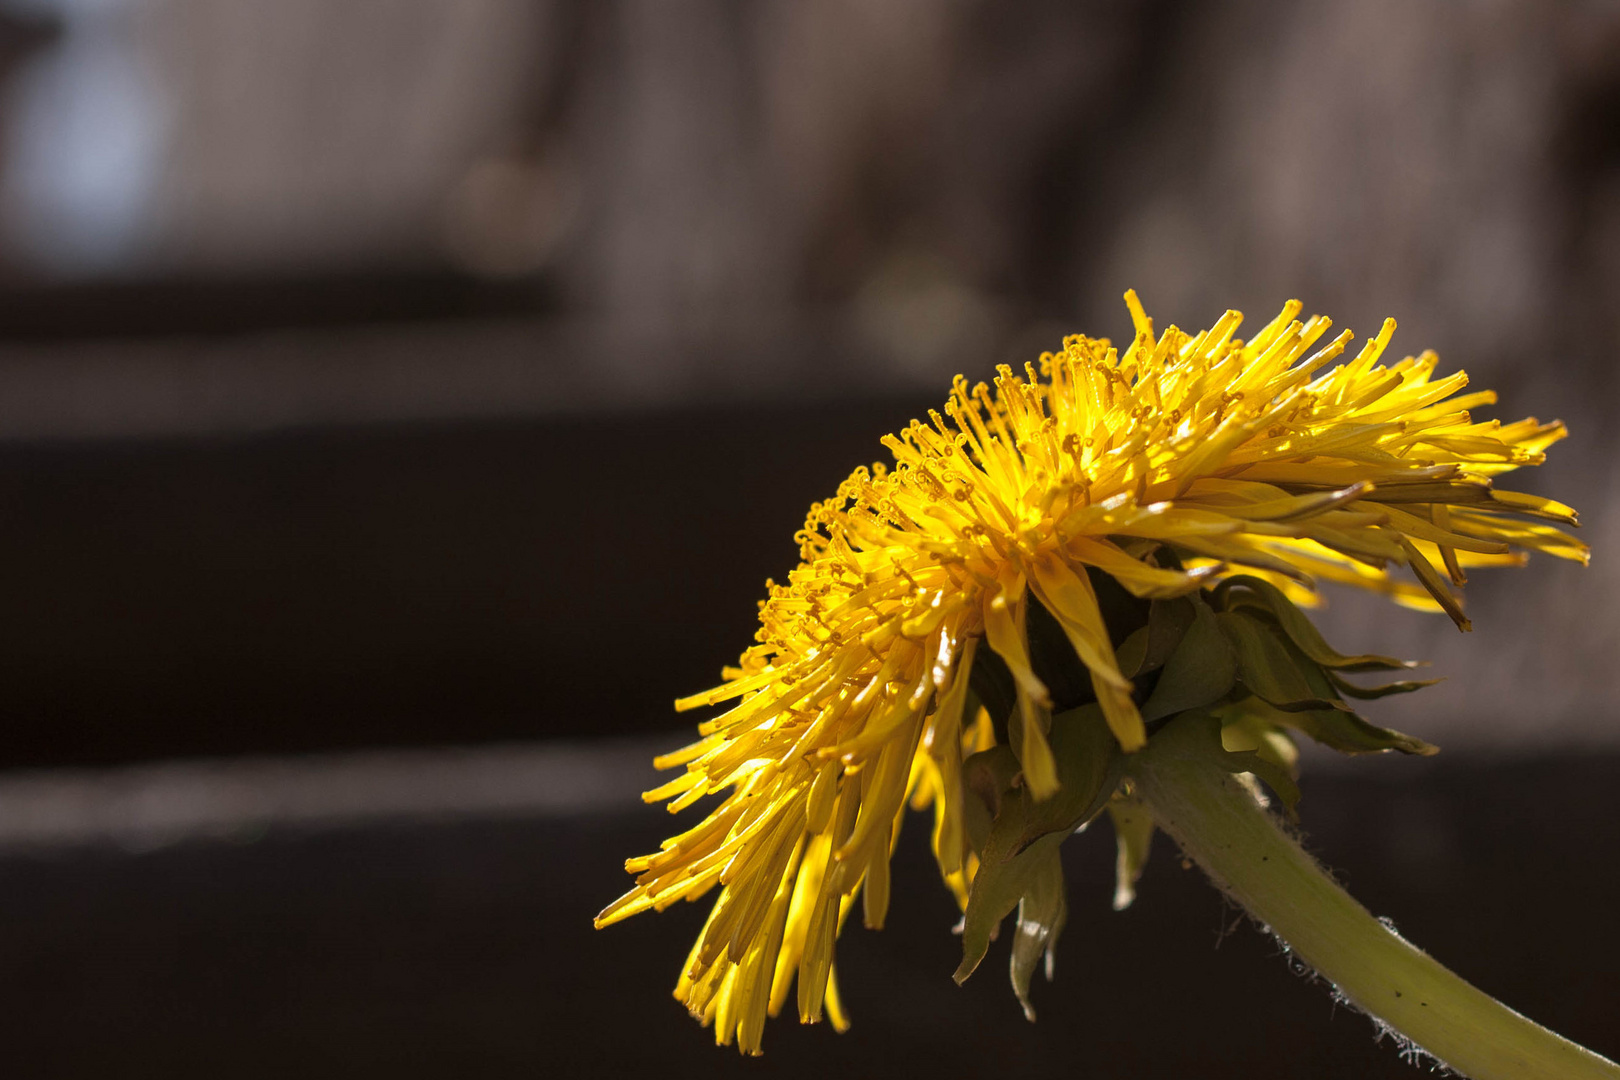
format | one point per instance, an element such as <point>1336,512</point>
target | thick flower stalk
<point>1050,573</point>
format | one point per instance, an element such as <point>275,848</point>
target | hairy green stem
<point>1219,822</point>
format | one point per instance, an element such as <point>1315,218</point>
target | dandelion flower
<point>1052,573</point>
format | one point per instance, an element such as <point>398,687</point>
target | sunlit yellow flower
<point>1168,465</point>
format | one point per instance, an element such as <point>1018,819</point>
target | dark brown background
<point>428,373</point>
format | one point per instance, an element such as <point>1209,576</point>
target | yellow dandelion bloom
<point>1169,466</point>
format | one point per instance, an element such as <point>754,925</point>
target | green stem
<point>1218,822</point>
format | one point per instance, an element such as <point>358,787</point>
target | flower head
<point>1179,466</point>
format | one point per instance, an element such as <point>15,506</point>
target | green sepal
<point>1368,693</point>
<point>1023,833</point>
<point>1132,653</point>
<point>989,774</point>
<point>1133,837</point>
<point>1248,729</point>
<point>1332,722</point>
<point>1149,647</point>
<point>1088,770</point>
<point>1299,628</point>
<point>998,887</point>
<point>1201,670</point>
<point>1270,669</point>
<point>1341,729</point>
<point>1250,737</point>
<point>1042,913</point>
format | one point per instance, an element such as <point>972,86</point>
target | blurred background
<point>402,401</point>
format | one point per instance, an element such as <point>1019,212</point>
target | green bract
<point>1240,660</point>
